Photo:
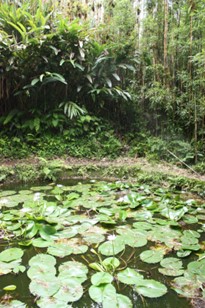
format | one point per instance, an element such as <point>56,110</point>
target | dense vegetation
<point>132,75</point>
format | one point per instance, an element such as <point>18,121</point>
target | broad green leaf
<point>152,256</point>
<point>101,278</point>
<point>52,302</point>
<point>60,250</point>
<point>11,254</point>
<point>171,271</point>
<point>111,263</point>
<point>13,304</point>
<point>70,290</point>
<point>44,288</point>
<point>102,292</point>
<point>73,269</point>
<point>42,260</point>
<point>113,247</point>
<point>151,288</point>
<point>123,301</point>
<point>171,263</point>
<point>129,276</point>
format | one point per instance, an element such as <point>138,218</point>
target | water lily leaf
<point>174,214</point>
<point>74,270</point>
<point>189,219</point>
<point>93,238</point>
<point>142,225</point>
<point>44,288</point>
<point>111,263</point>
<point>39,242</point>
<point>187,286</point>
<point>136,241</point>
<point>152,256</point>
<point>102,293</point>
<point>13,304</point>
<point>123,301</point>
<point>113,247</point>
<point>151,288</point>
<point>197,268</point>
<point>42,260</point>
<point>183,253</point>
<point>101,278</point>
<point>60,250</point>
<point>5,268</point>
<point>171,263</point>
<point>171,271</point>
<point>77,247</point>
<point>7,193</point>
<point>11,254</point>
<point>41,188</point>
<point>52,302</point>
<point>129,276</point>
<point>11,287</point>
<point>191,234</point>
<point>70,290</point>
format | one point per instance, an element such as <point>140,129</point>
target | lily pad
<point>11,254</point>
<point>44,288</point>
<point>60,250</point>
<point>112,247</point>
<point>52,302</point>
<point>73,269</point>
<point>13,304</point>
<point>152,256</point>
<point>101,278</point>
<point>151,288</point>
<point>70,290</point>
<point>123,301</point>
<point>102,293</point>
<point>129,276</point>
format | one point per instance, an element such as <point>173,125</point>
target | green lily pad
<point>171,263</point>
<point>151,288</point>
<point>101,278</point>
<point>52,302</point>
<point>11,254</point>
<point>187,286</point>
<point>171,271</point>
<point>60,250</point>
<point>40,243</point>
<point>74,270</point>
<point>44,288</point>
<point>111,263</point>
<point>70,290</point>
<point>103,293</point>
<point>42,259</point>
<point>129,276</point>
<point>183,253</point>
<point>112,247</point>
<point>123,301</point>
<point>152,256</point>
<point>13,304</point>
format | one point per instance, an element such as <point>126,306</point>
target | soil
<point>142,163</point>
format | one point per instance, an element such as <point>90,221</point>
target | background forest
<point>103,78</point>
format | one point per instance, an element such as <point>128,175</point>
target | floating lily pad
<point>101,278</point>
<point>187,286</point>
<point>123,301</point>
<point>151,288</point>
<point>40,243</point>
<point>44,259</point>
<point>129,276</point>
<point>113,247</point>
<point>152,256</point>
<point>44,287</point>
<point>13,304</point>
<point>70,290</point>
<point>183,253</point>
<point>11,254</point>
<point>52,302</point>
<point>171,271</point>
<point>73,269</point>
<point>103,293</point>
<point>111,263</point>
<point>60,250</point>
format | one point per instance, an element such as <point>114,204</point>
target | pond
<point>101,244</point>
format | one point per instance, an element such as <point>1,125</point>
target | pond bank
<point>123,168</point>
